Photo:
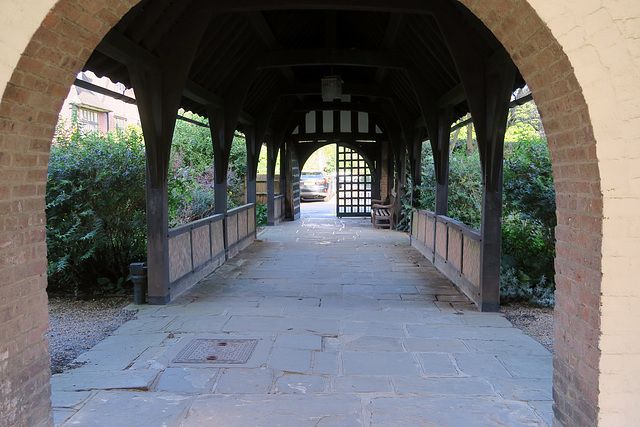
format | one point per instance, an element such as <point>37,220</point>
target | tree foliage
<point>95,209</point>
<point>529,219</point>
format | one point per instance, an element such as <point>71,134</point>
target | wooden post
<point>499,86</point>
<point>488,80</point>
<point>253,151</point>
<point>158,94</point>
<point>441,159</point>
<point>220,156</point>
<point>271,165</point>
<point>415,157</point>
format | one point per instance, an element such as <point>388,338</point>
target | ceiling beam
<point>353,89</point>
<point>401,6</point>
<point>264,32</point>
<point>333,136</point>
<point>338,106</point>
<point>122,49</point>
<point>390,36</point>
<point>348,57</point>
<point>454,97</point>
<point>197,93</point>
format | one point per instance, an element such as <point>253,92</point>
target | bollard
<point>138,272</point>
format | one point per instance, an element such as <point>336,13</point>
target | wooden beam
<point>454,97</point>
<point>197,93</point>
<point>338,106</point>
<point>390,36</point>
<point>120,48</point>
<point>123,50</point>
<point>159,91</point>
<point>399,6</point>
<point>264,32</point>
<point>350,57</point>
<point>353,89</point>
<point>440,150</point>
<point>304,138</point>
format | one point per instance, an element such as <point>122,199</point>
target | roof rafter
<point>348,57</point>
<point>122,49</point>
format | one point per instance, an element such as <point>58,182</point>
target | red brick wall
<point>28,113</point>
<point>565,115</point>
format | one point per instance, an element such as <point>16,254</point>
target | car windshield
<point>312,175</point>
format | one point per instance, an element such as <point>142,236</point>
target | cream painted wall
<point>602,41</point>
<point>18,21</point>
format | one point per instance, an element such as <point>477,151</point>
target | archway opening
<point>543,71</point>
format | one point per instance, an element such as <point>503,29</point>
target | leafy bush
<point>191,191</point>
<point>529,218</point>
<point>96,223</point>
<point>465,186</point>
<point>261,215</point>
<point>191,173</point>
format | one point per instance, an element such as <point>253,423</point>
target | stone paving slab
<point>82,380</point>
<point>128,408</point>
<point>451,411</point>
<point>275,410</point>
<point>354,327</point>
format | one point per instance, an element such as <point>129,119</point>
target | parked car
<point>313,185</point>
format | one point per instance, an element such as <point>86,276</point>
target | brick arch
<point>62,44</point>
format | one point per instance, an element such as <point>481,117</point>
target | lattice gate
<point>354,183</point>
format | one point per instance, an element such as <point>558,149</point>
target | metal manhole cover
<point>234,351</point>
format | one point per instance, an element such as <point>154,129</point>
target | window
<point>89,119</point>
<point>121,123</point>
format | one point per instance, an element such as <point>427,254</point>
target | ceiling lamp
<point>331,88</point>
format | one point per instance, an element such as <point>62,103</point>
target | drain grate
<point>232,351</point>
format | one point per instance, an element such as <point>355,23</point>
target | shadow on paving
<point>321,321</point>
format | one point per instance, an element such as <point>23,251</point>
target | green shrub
<point>261,215</point>
<point>96,222</point>
<point>529,218</point>
<point>465,186</point>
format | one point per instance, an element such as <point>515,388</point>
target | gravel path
<point>533,321</point>
<point>76,326</point>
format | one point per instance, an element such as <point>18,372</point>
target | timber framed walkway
<point>353,327</point>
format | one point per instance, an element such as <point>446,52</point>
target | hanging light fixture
<point>331,88</point>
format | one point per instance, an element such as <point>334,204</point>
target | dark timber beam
<point>488,79</point>
<point>159,92</point>
<point>197,93</point>
<point>350,57</point>
<point>253,152</point>
<point>353,89</point>
<point>330,138</point>
<point>338,106</point>
<point>398,6</point>
<point>390,36</point>
<point>439,138</point>
<point>264,32</point>
<point>120,48</point>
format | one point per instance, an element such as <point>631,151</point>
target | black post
<point>138,271</point>
<point>442,158</point>
<point>271,165</point>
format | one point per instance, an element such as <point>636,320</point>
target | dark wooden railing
<point>279,208</point>
<point>198,248</point>
<point>453,247</point>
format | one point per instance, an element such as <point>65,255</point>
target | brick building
<point>98,112</point>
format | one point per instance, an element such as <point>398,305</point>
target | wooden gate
<point>354,183</point>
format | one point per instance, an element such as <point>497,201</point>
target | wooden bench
<point>382,212</point>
